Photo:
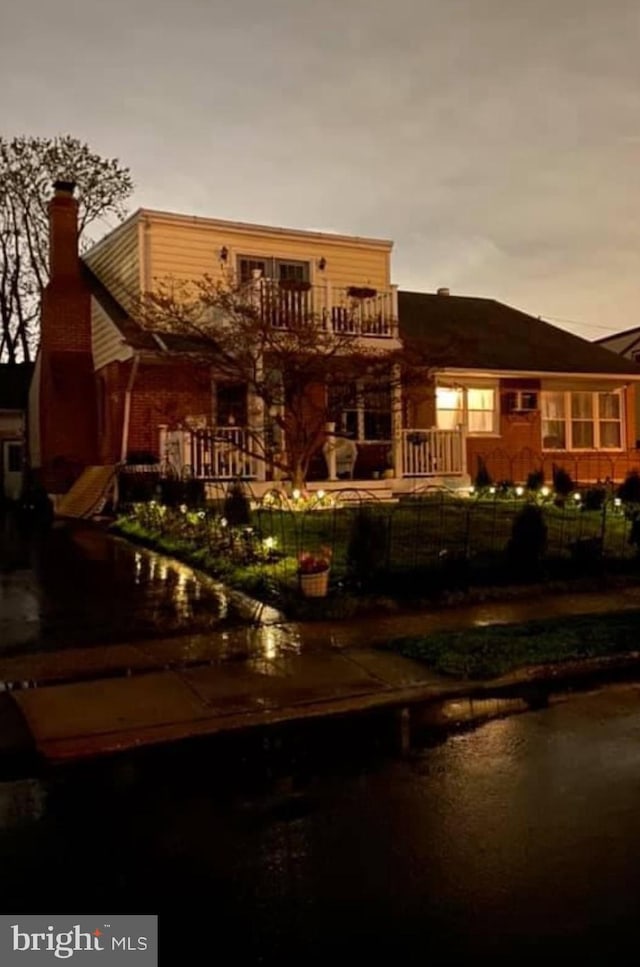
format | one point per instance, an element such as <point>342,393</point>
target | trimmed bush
<point>563,483</point>
<point>528,538</point>
<point>629,490</point>
<point>483,477</point>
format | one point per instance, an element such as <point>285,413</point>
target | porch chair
<point>346,452</point>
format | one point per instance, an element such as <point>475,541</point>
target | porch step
<point>89,493</point>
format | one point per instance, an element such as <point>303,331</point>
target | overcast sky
<point>496,141</point>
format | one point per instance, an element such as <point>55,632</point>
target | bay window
<point>581,420</point>
<point>471,406</point>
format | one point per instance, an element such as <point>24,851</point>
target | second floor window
<point>279,270</point>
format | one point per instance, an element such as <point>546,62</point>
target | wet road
<point>80,586</point>
<point>513,842</point>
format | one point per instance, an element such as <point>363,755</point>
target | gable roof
<point>135,335</point>
<point>14,385</point>
<point>481,334</point>
<point>630,337</point>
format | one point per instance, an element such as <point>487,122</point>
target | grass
<point>487,652</point>
<point>420,532</point>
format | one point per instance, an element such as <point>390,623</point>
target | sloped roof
<point>481,334</point>
<point>135,335</point>
<point>14,385</point>
<point>631,339</point>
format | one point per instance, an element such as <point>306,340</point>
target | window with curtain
<point>450,407</point>
<point>472,406</point>
<point>581,420</point>
<point>480,409</point>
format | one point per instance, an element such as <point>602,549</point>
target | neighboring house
<point>527,394</point>
<point>14,389</point>
<point>108,389</point>
<point>627,344</point>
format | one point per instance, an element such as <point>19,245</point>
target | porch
<point>227,453</point>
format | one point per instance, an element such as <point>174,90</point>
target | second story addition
<point>343,280</point>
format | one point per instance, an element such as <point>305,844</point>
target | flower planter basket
<point>361,292</point>
<point>314,585</point>
<point>294,285</point>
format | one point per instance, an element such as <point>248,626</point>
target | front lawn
<point>487,652</point>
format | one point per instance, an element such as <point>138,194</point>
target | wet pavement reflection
<point>77,585</point>
<point>511,841</point>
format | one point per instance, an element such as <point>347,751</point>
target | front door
<point>12,467</point>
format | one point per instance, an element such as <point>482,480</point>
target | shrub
<point>629,490</point>
<point>594,498</point>
<point>535,480</point>
<point>528,538</point>
<point>237,508</point>
<point>367,549</point>
<point>562,482</point>
<point>483,477</point>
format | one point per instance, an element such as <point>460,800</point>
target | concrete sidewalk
<point>86,702</point>
<point>86,719</point>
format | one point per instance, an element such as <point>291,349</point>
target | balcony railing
<point>339,310</point>
<point>433,453</point>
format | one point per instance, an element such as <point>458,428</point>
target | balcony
<point>353,311</point>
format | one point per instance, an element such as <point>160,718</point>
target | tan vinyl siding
<point>188,251</point>
<point>106,339</point>
<point>116,261</point>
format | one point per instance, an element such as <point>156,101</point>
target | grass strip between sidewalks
<point>490,651</point>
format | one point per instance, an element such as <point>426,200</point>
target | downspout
<point>127,408</point>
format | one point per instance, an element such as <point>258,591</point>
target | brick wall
<point>67,400</point>
<point>164,393</point>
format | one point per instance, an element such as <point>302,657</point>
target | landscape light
<point>492,490</point>
<point>320,494</point>
<point>545,491</point>
<point>519,491</point>
<point>617,502</point>
<point>577,498</point>
<point>296,494</point>
<point>269,543</point>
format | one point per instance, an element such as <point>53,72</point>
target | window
<point>363,411</point>
<point>472,406</point>
<point>281,270</point>
<point>581,420</point>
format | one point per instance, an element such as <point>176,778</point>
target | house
<point>627,344</point>
<point>14,389</point>
<point>526,394</point>
<point>109,388</point>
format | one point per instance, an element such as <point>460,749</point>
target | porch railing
<point>433,453</point>
<point>216,453</point>
<point>337,309</point>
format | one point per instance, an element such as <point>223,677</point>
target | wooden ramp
<point>89,493</point>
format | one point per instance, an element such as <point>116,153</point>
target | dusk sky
<point>496,141</point>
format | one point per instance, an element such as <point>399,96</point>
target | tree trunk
<point>298,477</point>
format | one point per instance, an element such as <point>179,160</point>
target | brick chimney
<point>67,388</point>
<point>63,232</point>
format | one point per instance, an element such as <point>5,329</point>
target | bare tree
<point>28,168</point>
<point>298,366</point>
